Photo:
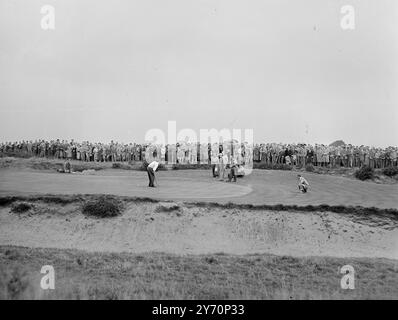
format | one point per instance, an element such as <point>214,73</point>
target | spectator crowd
<point>345,155</point>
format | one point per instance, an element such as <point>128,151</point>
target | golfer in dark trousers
<point>151,172</point>
<point>232,173</point>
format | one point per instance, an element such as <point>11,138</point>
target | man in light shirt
<point>302,184</point>
<point>223,165</point>
<point>215,164</point>
<point>151,172</point>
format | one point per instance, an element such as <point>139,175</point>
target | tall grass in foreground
<point>82,275</point>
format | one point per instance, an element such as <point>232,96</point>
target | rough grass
<point>55,199</point>
<point>267,166</point>
<point>201,166</point>
<point>103,207</point>
<point>119,165</point>
<point>357,211</point>
<point>354,211</point>
<point>166,208</point>
<point>390,172</point>
<point>21,207</point>
<point>83,275</point>
<point>11,154</point>
<point>309,168</point>
<point>364,173</point>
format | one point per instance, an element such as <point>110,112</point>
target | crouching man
<point>151,173</point>
<point>302,184</point>
<point>66,168</point>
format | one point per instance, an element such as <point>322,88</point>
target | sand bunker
<point>148,227</point>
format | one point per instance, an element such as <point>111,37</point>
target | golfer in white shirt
<point>302,184</point>
<point>151,172</point>
<point>223,165</point>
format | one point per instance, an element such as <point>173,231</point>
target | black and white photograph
<point>220,151</point>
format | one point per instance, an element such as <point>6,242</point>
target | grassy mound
<point>364,173</point>
<point>21,207</point>
<point>309,168</point>
<point>124,166</point>
<point>202,166</point>
<point>390,171</point>
<point>165,208</point>
<point>103,207</point>
<point>268,166</point>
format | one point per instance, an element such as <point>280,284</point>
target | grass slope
<point>82,275</point>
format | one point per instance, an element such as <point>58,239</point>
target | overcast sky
<point>115,69</point>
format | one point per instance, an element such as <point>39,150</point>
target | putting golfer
<point>151,172</point>
<point>215,164</point>
<point>223,165</point>
<point>302,184</point>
